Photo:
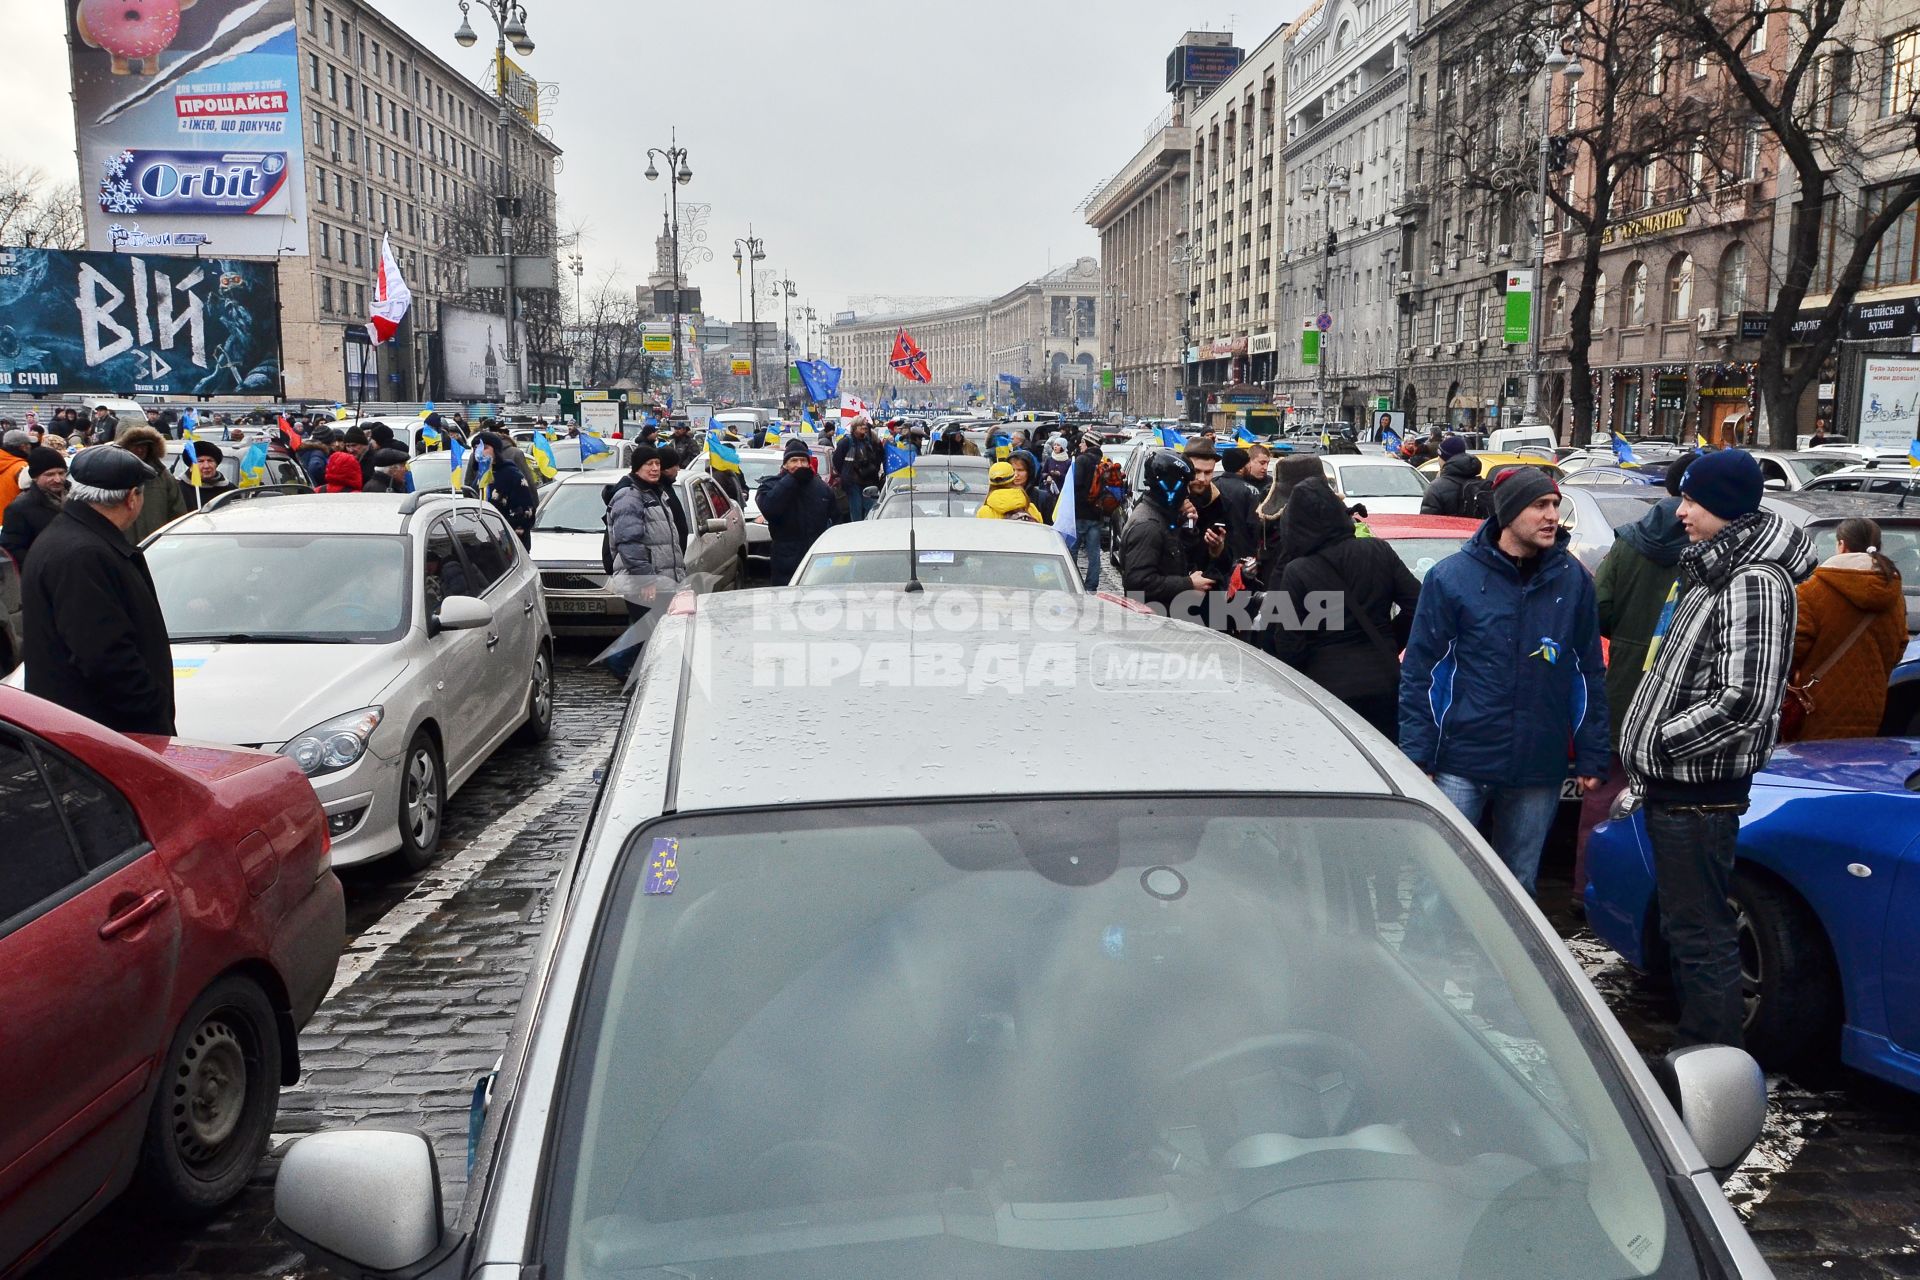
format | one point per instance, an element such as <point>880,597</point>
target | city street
<point>426,994</point>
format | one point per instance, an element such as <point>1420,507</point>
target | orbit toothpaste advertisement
<point>188,116</point>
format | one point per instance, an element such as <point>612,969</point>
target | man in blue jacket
<point>1503,679</point>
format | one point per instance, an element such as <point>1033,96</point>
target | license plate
<point>1570,790</point>
<point>556,604</point>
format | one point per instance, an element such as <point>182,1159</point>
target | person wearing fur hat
<point>28,515</point>
<point>207,459</point>
<point>161,499</point>
<point>1503,671</point>
<point>96,640</point>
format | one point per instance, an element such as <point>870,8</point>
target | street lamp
<point>751,249</point>
<point>676,157</point>
<point>785,290</point>
<point>510,23</point>
<point>1332,183</point>
<point>1552,59</point>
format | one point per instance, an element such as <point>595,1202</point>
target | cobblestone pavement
<point>428,990</point>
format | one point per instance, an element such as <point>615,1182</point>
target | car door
<point>509,651</point>
<point>1900,955</point>
<point>521,611</point>
<point>458,662</point>
<point>730,544</point>
<point>89,945</point>
<point>696,500</point>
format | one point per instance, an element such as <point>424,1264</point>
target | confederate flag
<point>909,359</point>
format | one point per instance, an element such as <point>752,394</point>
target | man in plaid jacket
<point>1705,718</point>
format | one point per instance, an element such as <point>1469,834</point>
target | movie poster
<point>189,125</point>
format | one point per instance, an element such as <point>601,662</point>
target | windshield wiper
<point>268,637</point>
<point>561,528</point>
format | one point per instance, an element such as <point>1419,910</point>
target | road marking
<point>449,877</point>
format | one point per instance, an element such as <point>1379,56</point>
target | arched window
<point>1733,280</point>
<point>1634,305</point>
<point>1557,308</point>
<point>1600,304</point>
<point>1343,36</point>
<point>1680,287</point>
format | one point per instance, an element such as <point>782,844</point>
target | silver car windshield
<point>967,568</point>
<point>574,508</point>
<point>1132,1037</point>
<point>282,588</point>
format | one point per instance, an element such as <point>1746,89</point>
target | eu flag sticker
<point>663,865</point>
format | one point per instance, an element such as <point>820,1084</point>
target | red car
<point>169,918</point>
<point>1423,541</point>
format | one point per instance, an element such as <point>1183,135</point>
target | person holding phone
<point>1204,528</point>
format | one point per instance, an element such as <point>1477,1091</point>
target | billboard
<point>1202,65</point>
<point>127,323</point>
<point>474,347</point>
<point>1889,402</point>
<point>188,120</point>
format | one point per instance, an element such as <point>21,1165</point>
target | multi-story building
<point>1233,238</point>
<point>1343,158</point>
<point>1048,325</point>
<point>397,143</point>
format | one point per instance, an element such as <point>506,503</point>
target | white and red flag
<point>391,297</point>
<point>853,407</point>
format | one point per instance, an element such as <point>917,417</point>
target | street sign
<point>1519,305</point>
<point>1309,344</point>
<point>355,335</point>
<point>742,368</point>
<point>1382,404</point>
<point>489,271</point>
<point>1325,322</point>
<point>657,343</point>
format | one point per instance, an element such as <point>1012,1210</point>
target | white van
<point>1517,439</point>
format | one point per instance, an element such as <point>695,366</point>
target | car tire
<point>214,1108</point>
<point>538,726</point>
<point>1786,972</point>
<point>423,803</point>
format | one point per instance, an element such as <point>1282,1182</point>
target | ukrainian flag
<point>1913,454</point>
<point>722,456</point>
<point>807,424</point>
<point>773,429</point>
<point>430,436</point>
<point>899,461</point>
<point>545,465</point>
<point>1243,436</point>
<point>1170,438</point>
<point>189,425</point>
<point>192,456</point>
<point>591,446</point>
<point>253,466</point>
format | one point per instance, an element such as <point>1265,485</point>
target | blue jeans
<point>857,503</point>
<point>1521,817</point>
<point>1088,533</point>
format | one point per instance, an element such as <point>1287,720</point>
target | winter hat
<point>207,449</point>
<point>1000,475</point>
<point>1234,460</point>
<point>1677,469</point>
<point>343,474</point>
<point>388,457</point>
<point>795,448</point>
<point>41,460</point>
<point>115,470</point>
<point>1727,483</point>
<point>1452,447</point>
<point>1517,490</point>
<point>642,454</point>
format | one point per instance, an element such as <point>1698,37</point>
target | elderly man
<point>96,642</point>
<point>28,515</point>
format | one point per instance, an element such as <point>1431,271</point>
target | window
<point>1750,152</point>
<point>445,572</point>
<point>1733,280</point>
<point>1680,287</point>
<point>1900,73</point>
<point>1657,78</point>
<point>326,242</point>
<point>1837,86</point>
<point>102,823</point>
<point>39,861</point>
<point>1599,303</point>
<point>313,72</point>
<point>333,84</point>
<point>1760,16</point>
<point>1649,184</point>
<point>1635,287</point>
<point>326,295</point>
<point>359,299</point>
<point>1697,168</point>
<point>1557,308</point>
<point>482,543</point>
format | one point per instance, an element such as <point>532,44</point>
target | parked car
<point>928,504</point>
<point>1381,484</point>
<point>387,643</point>
<point>957,474</point>
<point>168,923</point>
<point>569,530</point>
<point>1592,515</point>
<point>979,553</point>
<point>1826,886</point>
<point>1421,542</point>
<point>1865,479</point>
<point>407,432</point>
<point>1612,477</point>
<point>1820,514</point>
<point>1788,471</point>
<point>1494,465</point>
<point>756,467</point>
<point>993,1011</point>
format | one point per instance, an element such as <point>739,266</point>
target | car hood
<point>565,548</point>
<point>1845,764</point>
<point>255,694</point>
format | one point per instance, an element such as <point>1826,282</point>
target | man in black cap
<point>28,515</point>
<point>388,473</point>
<point>203,481</point>
<point>798,507</point>
<point>96,642</point>
<point>1503,671</point>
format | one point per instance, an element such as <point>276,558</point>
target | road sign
<point>742,368</point>
<point>489,271</point>
<point>656,343</point>
<point>1325,322</point>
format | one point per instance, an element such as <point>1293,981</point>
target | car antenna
<point>914,585</point>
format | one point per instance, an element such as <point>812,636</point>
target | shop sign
<point>1722,393</point>
<point>1647,224</point>
<point>1670,393</point>
<point>1264,343</point>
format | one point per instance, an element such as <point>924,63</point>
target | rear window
<point>1421,554</point>
<point>970,568</point>
<point>1899,543</point>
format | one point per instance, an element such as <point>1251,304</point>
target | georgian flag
<point>852,406</point>
<point>391,297</point>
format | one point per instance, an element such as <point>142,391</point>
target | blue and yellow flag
<point>253,466</point>
<point>900,461</point>
<point>807,424</point>
<point>545,465</point>
<point>1623,452</point>
<point>189,425</point>
<point>722,456</point>
<point>192,456</point>
<point>430,435</point>
<point>1913,454</point>
<point>1170,438</point>
<point>592,446</point>
<point>458,452</point>
<point>1243,436</point>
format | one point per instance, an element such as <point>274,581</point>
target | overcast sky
<point>933,148</point>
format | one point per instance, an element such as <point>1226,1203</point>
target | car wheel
<point>539,722</point>
<point>1787,978</point>
<point>423,802</point>
<point>213,1111</point>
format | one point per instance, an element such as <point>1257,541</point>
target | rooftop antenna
<point>914,585</point>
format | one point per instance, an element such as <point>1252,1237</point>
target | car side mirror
<point>461,613</point>
<point>1721,1095</point>
<point>713,526</point>
<point>870,493</point>
<point>1776,485</point>
<point>361,1200</point>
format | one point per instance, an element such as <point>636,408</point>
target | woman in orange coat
<point>1858,583</point>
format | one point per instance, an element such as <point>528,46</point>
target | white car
<point>387,643</point>
<point>569,529</point>
<point>967,551</point>
<point>1865,479</point>
<point>1384,486</point>
<point>281,468</point>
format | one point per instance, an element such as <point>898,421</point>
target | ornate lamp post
<point>751,249</point>
<point>510,22</point>
<point>680,175</point>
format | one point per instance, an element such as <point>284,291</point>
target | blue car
<point>1827,886</point>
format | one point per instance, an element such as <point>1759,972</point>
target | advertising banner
<point>1309,343</point>
<point>742,368</point>
<point>189,125</point>
<point>127,323</point>
<point>1889,402</point>
<point>1519,306</point>
<point>474,346</point>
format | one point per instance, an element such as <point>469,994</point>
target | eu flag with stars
<point>663,866</point>
<point>899,461</point>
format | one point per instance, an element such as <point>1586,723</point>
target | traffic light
<point>1558,148</point>
<point>1333,242</point>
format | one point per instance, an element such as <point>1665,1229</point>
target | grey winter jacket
<point>1708,710</point>
<point>646,541</point>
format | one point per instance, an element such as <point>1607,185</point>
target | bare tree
<point>35,212</point>
<point>1046,392</point>
<point>1794,66</point>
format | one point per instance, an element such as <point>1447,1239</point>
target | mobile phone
<point>1217,524</point>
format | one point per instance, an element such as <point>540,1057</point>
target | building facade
<point>398,143</point>
<point>1141,215</point>
<point>1343,158</point>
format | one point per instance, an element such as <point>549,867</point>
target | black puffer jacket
<point>1153,558</point>
<point>1447,495</point>
<point>1366,579</point>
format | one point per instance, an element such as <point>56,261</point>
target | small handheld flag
<point>1913,454</point>
<point>545,465</point>
<point>899,461</point>
<point>1623,452</point>
<point>1170,438</point>
<point>292,437</point>
<point>592,446</point>
<point>722,456</point>
<point>189,425</point>
<point>1243,436</point>
<point>192,456</point>
<point>807,425</point>
<point>1066,511</point>
<point>253,466</point>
